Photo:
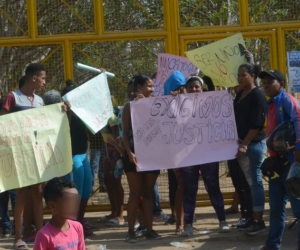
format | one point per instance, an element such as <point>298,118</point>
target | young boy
<point>61,232</point>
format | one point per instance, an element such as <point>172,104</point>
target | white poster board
<point>167,64</point>
<point>293,61</point>
<point>190,129</point>
<point>91,102</point>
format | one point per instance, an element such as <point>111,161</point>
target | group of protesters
<point>67,196</point>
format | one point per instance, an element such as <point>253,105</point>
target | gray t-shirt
<point>22,101</point>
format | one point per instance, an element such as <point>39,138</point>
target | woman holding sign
<point>249,108</point>
<point>140,183</point>
<point>210,175</point>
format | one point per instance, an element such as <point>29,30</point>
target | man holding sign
<point>22,99</point>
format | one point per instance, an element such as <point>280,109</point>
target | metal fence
<point>125,36</point>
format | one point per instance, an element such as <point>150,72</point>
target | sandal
<point>20,244</point>
<point>178,231</point>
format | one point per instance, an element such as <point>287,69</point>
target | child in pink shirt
<point>61,232</point>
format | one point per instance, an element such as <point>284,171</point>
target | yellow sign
<point>35,146</point>
<point>220,60</point>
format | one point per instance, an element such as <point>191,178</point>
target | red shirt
<point>9,102</point>
<point>271,123</point>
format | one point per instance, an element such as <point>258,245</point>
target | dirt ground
<point>114,237</point>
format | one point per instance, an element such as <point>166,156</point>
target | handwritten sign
<point>35,146</point>
<point>167,65</point>
<point>294,71</point>
<point>220,60</point>
<point>190,129</point>
<point>91,102</point>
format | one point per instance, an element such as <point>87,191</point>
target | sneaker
<point>240,222</point>
<point>256,228</point>
<point>161,217</point>
<point>188,231</point>
<point>140,232</point>
<point>224,228</point>
<point>170,221</point>
<point>130,238</point>
<point>246,225</point>
<point>7,232</point>
<point>152,235</point>
<point>88,226</point>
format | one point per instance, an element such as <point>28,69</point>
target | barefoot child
<point>61,232</point>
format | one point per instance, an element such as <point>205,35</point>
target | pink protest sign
<point>168,64</point>
<point>186,130</point>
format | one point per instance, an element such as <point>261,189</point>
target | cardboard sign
<point>91,102</point>
<point>220,60</point>
<point>35,146</point>
<point>167,65</point>
<point>190,129</point>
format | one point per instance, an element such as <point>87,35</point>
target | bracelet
<point>243,146</point>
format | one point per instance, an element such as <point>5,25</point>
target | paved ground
<point>113,238</point>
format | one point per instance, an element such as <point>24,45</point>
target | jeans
<point>156,203</point>
<point>250,164</point>
<point>210,175</point>
<point>241,187</point>
<point>96,165</point>
<point>278,197</point>
<point>4,198</point>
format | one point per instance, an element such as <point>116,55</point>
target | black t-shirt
<point>78,136</point>
<point>250,114</point>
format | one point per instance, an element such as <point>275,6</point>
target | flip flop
<point>20,244</point>
<point>115,222</point>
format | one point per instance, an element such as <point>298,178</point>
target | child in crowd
<point>61,232</point>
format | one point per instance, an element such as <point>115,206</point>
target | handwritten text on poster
<point>35,146</point>
<point>220,60</point>
<point>190,129</point>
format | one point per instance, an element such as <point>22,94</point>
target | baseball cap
<point>276,74</point>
